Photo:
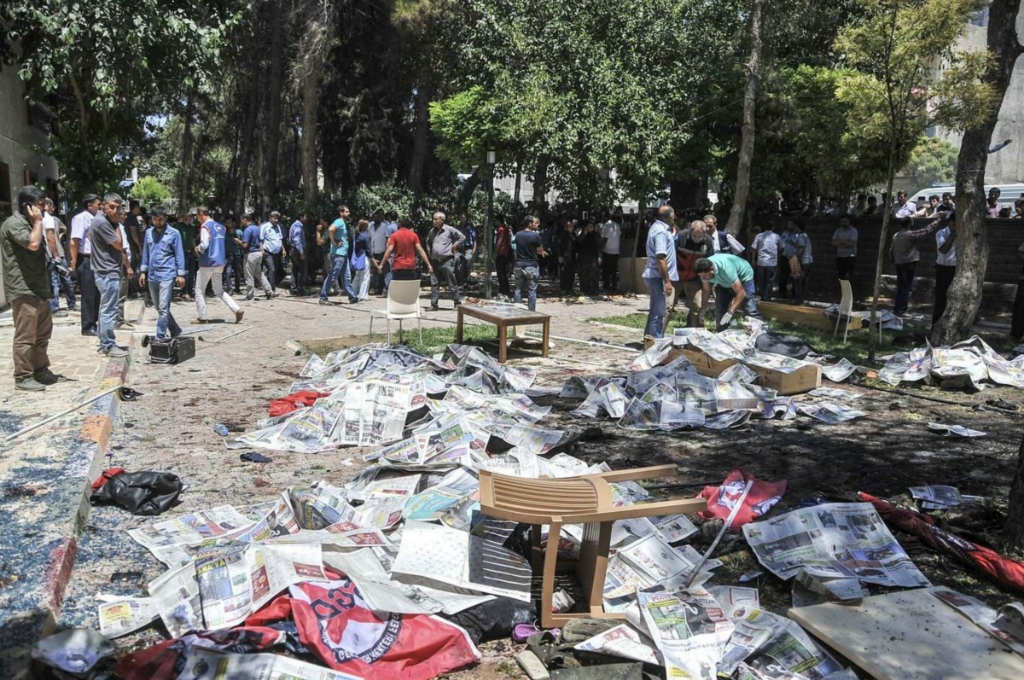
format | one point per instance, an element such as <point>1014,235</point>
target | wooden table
<point>503,316</point>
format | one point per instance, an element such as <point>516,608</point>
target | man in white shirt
<point>945,266</point>
<point>53,232</point>
<point>611,239</point>
<point>81,249</point>
<point>805,255</point>
<point>126,274</point>
<point>903,207</point>
<point>844,239</point>
<point>381,229</point>
<point>721,241</point>
<point>766,245</point>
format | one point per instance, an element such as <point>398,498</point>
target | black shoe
<point>145,340</point>
<point>47,377</point>
<point>435,308</point>
<point>89,333</point>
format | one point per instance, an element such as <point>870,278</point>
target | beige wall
<point>17,142</point>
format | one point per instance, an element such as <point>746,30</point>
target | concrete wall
<point>18,140</point>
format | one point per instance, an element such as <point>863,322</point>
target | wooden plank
<point>809,317</point>
<point>910,635</point>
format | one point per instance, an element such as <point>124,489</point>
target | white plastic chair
<point>846,311</point>
<point>403,303</point>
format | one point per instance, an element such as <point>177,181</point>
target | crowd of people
<point>117,250</point>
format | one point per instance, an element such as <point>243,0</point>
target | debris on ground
<point>966,365</point>
<point>140,493</point>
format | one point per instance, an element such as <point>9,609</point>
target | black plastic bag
<point>786,345</point>
<point>140,493</point>
<point>494,619</point>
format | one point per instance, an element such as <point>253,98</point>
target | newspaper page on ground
<point>981,614</point>
<point>689,628</point>
<point>208,664</point>
<point>765,641</point>
<point>834,540</point>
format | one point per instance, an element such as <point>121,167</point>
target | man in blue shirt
<point>661,270</point>
<point>273,246</point>
<point>162,267</point>
<point>297,239</point>
<point>252,246</point>
<point>528,251</point>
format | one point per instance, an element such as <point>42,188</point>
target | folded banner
<point>1004,571</point>
<point>721,499</point>
<point>335,624</point>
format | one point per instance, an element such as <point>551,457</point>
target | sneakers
<point>59,314</point>
<point>435,308</point>
<point>249,298</point>
<point>324,301</point>
<point>116,352</point>
<point>29,385</point>
<point>200,321</point>
<point>238,316</point>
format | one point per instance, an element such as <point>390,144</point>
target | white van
<point>1009,193</point>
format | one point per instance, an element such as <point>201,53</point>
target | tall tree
<point>317,19</point>
<point>739,204</point>
<point>965,292</point>
<point>101,90</point>
<point>893,47</point>
<point>275,104</point>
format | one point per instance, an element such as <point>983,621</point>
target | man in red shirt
<point>503,251</point>
<point>405,245</point>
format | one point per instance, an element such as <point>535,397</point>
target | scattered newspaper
<point>737,602</point>
<point>119,616</point>
<point>839,372</point>
<point>833,393</point>
<point>955,430</point>
<point>940,497</point>
<point>689,628</point>
<point>835,540</point>
<point>830,413</point>
<point>770,643</point>
<point>622,641</point>
<point>208,664</point>
<point>985,617</point>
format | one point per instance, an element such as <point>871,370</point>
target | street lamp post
<point>492,160</point>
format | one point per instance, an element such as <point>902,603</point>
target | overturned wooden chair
<point>585,500</point>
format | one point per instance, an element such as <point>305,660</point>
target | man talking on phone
<point>27,285</point>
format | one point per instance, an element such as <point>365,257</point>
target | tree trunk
<point>739,204</point>
<point>245,154</point>
<point>540,187</point>
<point>519,182</point>
<point>275,87</point>
<point>421,136</point>
<point>185,167</point>
<point>310,101</point>
<point>880,263</point>
<point>1015,512</point>
<point>468,187</point>
<point>971,233</point>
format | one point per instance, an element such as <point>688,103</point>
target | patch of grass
<point>434,339</point>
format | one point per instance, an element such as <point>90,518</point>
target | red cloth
<point>166,659</point>
<point>108,474</point>
<point>404,242</point>
<point>294,402</point>
<point>721,499</point>
<point>1006,572</point>
<point>335,625</point>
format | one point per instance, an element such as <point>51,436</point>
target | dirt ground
<point>171,429</point>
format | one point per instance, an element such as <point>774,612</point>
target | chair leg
<point>389,331</point>
<point>846,333</point>
<point>399,331</point>
<point>369,338</point>
<point>547,591</point>
<point>839,320</point>
<point>419,322</point>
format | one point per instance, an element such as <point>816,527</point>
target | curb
<point>51,555</point>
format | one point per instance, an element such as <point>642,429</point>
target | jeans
<point>212,275</point>
<point>904,286</point>
<point>122,297</point>
<point>298,272</point>
<point>339,267</point>
<point>191,269</point>
<point>61,282</point>
<point>90,294</point>
<point>270,261</point>
<point>443,269</point>
<point>800,282</point>
<point>656,315</point>
<point>381,280</point>
<point>526,277</point>
<point>254,268</point>
<point>723,298</point>
<point>610,272</point>
<point>765,281</point>
<point>109,286</point>
<point>161,293</point>
<point>33,326</point>
<point>944,274</point>
<point>232,268</point>
<point>327,274</point>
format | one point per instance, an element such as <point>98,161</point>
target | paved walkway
<point>43,480</point>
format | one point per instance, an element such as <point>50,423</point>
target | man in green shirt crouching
<point>733,279</point>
